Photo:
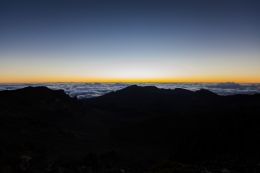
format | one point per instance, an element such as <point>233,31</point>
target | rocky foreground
<point>136,129</point>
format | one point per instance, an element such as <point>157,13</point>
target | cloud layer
<point>87,90</point>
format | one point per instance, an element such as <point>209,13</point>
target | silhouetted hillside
<point>199,124</point>
<point>150,98</point>
<point>135,129</point>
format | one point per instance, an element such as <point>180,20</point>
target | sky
<point>129,41</point>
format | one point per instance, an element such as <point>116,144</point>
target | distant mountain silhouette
<point>150,98</point>
<point>199,124</point>
<point>142,125</point>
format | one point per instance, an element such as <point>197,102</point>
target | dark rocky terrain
<point>136,129</point>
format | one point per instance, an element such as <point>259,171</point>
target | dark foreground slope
<point>136,129</point>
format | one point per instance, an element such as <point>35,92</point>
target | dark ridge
<point>148,98</point>
<point>136,90</point>
<point>146,92</point>
<point>35,100</point>
<point>205,92</point>
<point>132,129</point>
<point>36,93</point>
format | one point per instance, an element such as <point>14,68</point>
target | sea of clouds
<point>87,90</point>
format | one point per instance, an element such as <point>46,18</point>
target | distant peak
<point>181,91</point>
<point>33,92</point>
<point>35,88</point>
<point>148,92</point>
<point>206,92</point>
<point>132,86</point>
<point>38,89</point>
<point>136,87</point>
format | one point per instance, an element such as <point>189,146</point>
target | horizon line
<point>42,82</point>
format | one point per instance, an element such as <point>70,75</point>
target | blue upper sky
<point>94,40</point>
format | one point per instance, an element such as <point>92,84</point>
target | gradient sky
<point>117,41</point>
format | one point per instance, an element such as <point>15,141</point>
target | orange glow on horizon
<point>214,79</point>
